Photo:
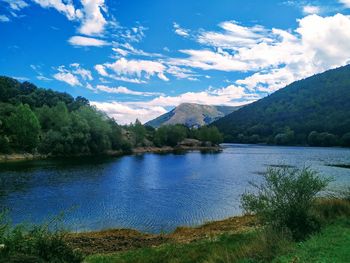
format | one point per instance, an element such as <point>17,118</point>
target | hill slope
<point>191,114</point>
<point>320,103</point>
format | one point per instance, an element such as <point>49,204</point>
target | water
<point>150,192</point>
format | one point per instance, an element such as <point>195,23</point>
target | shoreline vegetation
<point>13,157</point>
<point>119,239</point>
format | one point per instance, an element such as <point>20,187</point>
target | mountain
<point>314,111</point>
<point>191,114</point>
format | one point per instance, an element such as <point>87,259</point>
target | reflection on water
<point>151,192</point>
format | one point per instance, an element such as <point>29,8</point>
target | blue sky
<point>138,59</point>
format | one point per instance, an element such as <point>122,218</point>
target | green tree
<point>24,128</point>
<point>284,200</point>
<point>139,132</point>
<point>345,140</point>
<point>209,134</point>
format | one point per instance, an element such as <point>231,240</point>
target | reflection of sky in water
<point>151,192</point>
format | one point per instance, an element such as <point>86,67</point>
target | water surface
<point>151,192</point>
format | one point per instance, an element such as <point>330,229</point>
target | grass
<point>331,245</point>
<point>199,251</point>
<point>258,245</point>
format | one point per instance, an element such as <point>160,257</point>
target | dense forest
<point>44,121</point>
<point>313,111</point>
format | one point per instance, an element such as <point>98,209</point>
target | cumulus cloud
<point>126,91</point>
<point>92,21</point>
<point>68,78</point>
<point>311,9</point>
<point>134,68</point>
<point>275,57</point>
<point>346,3</point>
<point>67,8</point>
<point>125,114</point>
<point>74,75</point>
<point>4,18</point>
<point>180,31</point>
<point>125,49</point>
<point>87,41</point>
<point>16,4</point>
<point>182,73</point>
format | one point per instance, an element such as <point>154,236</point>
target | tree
<point>284,200</point>
<point>24,128</point>
<point>209,134</point>
<point>345,140</point>
<point>139,132</point>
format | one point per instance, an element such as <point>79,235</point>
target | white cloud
<point>346,3</point>
<point>126,91</point>
<point>311,9</point>
<point>182,73</point>
<point>180,31</point>
<point>4,18</point>
<point>16,4</point>
<point>125,114</point>
<point>75,75</point>
<point>83,73</point>
<point>101,70</point>
<point>126,49</point>
<point>139,68</point>
<point>67,8</point>
<point>68,78</point>
<point>93,22</point>
<point>43,78</point>
<point>234,36</point>
<point>278,57</point>
<point>87,41</point>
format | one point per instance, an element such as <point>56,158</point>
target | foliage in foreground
<point>285,199</point>
<point>36,244</point>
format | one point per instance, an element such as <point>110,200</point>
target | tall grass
<point>34,244</point>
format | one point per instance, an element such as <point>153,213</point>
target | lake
<point>151,192</point>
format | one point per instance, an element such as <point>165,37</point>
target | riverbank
<point>13,157</point>
<point>117,240</point>
<point>236,239</point>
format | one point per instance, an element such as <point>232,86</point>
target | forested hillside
<point>36,119</point>
<point>314,111</point>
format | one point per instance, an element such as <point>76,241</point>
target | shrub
<point>34,244</point>
<point>284,200</point>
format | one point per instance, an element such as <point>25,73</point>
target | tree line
<point>40,120</point>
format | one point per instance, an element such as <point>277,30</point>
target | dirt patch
<point>115,240</point>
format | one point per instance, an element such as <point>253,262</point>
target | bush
<point>284,200</point>
<point>34,244</point>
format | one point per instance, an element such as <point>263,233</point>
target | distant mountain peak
<point>192,115</point>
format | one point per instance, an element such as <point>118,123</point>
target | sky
<point>139,59</point>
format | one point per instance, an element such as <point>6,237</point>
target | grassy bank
<point>252,244</point>
<point>330,245</point>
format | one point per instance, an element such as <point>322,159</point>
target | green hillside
<point>314,111</point>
